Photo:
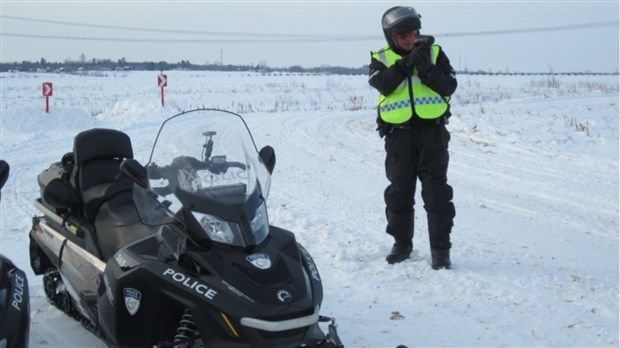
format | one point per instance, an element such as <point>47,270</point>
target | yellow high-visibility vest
<point>396,108</point>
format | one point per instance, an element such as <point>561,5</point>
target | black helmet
<point>398,20</point>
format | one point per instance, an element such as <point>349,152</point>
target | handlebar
<point>216,165</point>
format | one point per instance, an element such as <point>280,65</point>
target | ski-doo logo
<point>18,294</point>
<point>284,296</point>
<point>191,283</point>
<point>132,300</point>
<point>261,261</point>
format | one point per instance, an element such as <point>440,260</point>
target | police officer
<point>415,80</point>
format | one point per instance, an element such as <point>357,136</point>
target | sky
<point>312,33</point>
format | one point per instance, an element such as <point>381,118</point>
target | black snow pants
<point>419,152</point>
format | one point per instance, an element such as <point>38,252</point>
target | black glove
<point>406,64</point>
<point>420,57</point>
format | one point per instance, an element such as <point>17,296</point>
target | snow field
<point>534,167</point>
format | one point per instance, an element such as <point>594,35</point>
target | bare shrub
<point>580,127</point>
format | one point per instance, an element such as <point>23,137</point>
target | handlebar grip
<point>236,165</point>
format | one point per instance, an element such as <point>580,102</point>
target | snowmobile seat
<point>119,219</point>
<point>98,154</point>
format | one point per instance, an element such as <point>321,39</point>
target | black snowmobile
<point>177,253</point>
<point>14,295</point>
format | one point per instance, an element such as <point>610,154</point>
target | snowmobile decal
<point>132,300</point>
<point>19,292</point>
<point>261,261</point>
<point>108,289</point>
<point>237,292</point>
<point>122,263</point>
<point>191,283</point>
<point>311,266</point>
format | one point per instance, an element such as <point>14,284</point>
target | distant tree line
<point>122,64</point>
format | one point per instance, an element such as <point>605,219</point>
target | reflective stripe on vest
<point>395,108</point>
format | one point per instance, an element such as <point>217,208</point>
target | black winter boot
<point>400,252</point>
<point>441,259</point>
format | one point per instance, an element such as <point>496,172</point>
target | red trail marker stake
<point>48,91</point>
<point>162,81</point>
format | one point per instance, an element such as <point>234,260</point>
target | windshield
<point>206,161</point>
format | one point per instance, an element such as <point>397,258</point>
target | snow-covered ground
<point>534,167</point>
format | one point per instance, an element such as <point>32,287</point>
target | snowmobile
<point>14,295</point>
<point>177,252</point>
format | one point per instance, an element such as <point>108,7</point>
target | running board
<point>47,212</point>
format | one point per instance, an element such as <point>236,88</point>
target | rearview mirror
<point>268,156</point>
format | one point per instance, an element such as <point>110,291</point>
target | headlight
<point>230,233</point>
<point>260,223</point>
<point>219,230</point>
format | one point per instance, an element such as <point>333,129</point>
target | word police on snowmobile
<point>191,283</point>
<point>19,291</point>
